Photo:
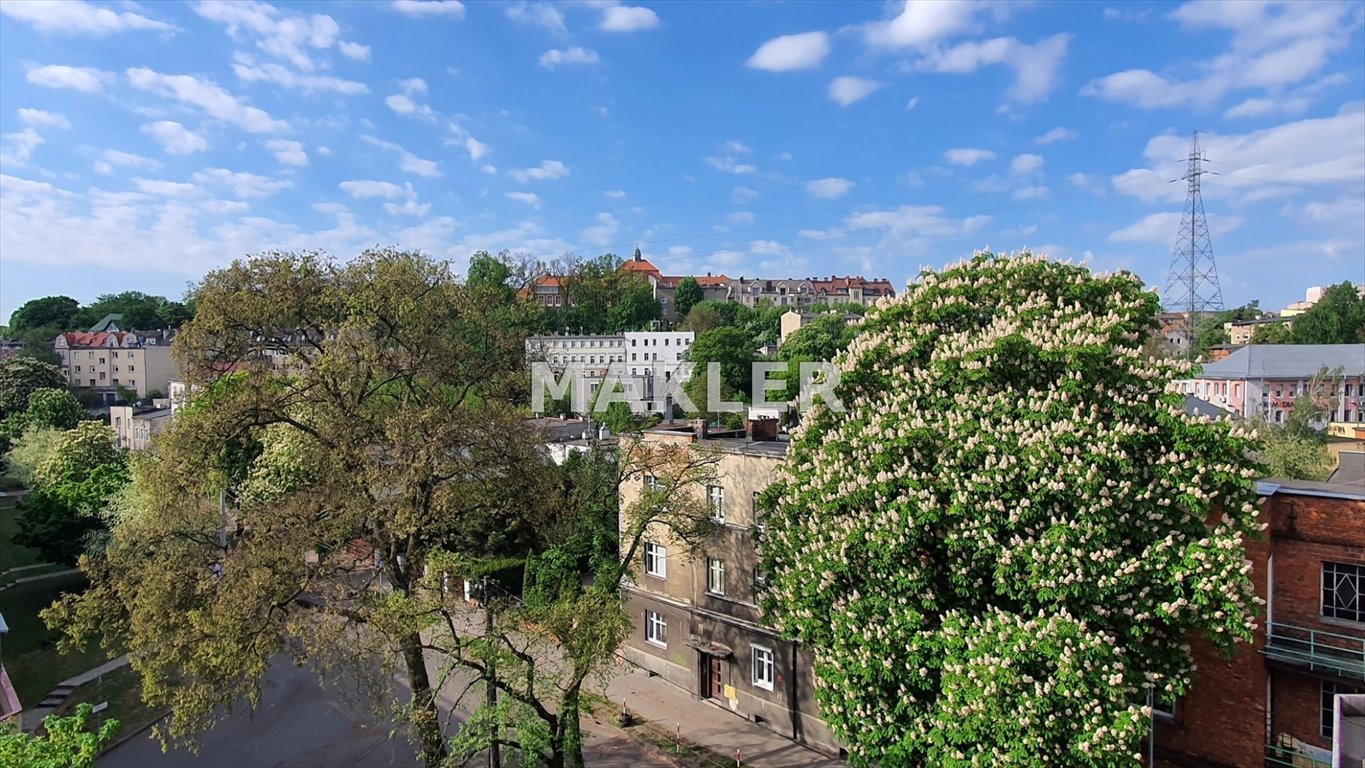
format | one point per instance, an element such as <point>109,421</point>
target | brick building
<point>1271,704</point>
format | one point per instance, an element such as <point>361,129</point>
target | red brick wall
<point>1295,707</point>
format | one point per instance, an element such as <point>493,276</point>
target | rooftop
<point>1287,361</point>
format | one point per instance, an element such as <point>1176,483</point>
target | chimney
<point>603,433</point>
<point>761,430</point>
<point>699,428</point>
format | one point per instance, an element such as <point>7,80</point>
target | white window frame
<point>715,502</point>
<point>715,576</point>
<point>656,560</point>
<point>762,667</point>
<point>656,629</point>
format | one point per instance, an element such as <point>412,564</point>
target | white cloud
<point>363,189</point>
<point>1083,181</point>
<point>287,152</point>
<point>407,161</point>
<point>547,170</point>
<point>410,206</point>
<point>175,138</point>
<point>280,33</point>
<point>828,189</point>
<point>1274,45</point>
<point>113,158</point>
<point>968,155</point>
<point>403,104</point>
<point>616,194</point>
<point>626,18</point>
<point>575,56</point>
<point>477,149</point>
<point>426,8</point>
<point>742,194</point>
<point>208,97</point>
<point>537,14</point>
<point>791,52</point>
<point>87,79</point>
<point>1258,165</point>
<point>1162,228</point>
<point>37,118</point>
<point>354,51</point>
<point>740,217</point>
<point>76,17</point>
<point>249,70</point>
<point>847,90</point>
<point>1036,66</point>
<point>1060,133</point>
<point>530,198</point>
<point>1026,163</point>
<point>603,231</point>
<point>242,184</point>
<point>911,104</point>
<point>923,22</point>
<point>18,147</point>
<point>737,147</point>
<point>164,188</point>
<point>1031,193</point>
<point>730,164</point>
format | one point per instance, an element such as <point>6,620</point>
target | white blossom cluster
<point>1009,535</point>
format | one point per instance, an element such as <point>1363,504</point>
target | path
<point>53,700</point>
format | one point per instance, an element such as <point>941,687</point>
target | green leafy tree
<point>687,295</point>
<point>701,318</point>
<point>54,409</point>
<point>1337,318</point>
<point>73,474</point>
<point>491,273</point>
<point>48,312</point>
<point>173,314</point>
<point>818,341</point>
<point>21,377</point>
<point>1273,333</point>
<point>731,349</point>
<point>64,742</point>
<point>391,433</point>
<point>634,307</point>
<point>48,524</point>
<point>31,450</point>
<point>1013,528</point>
<point>139,310</point>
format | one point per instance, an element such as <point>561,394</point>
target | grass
<point>30,649</point>
<point>122,688</point>
<point>12,555</point>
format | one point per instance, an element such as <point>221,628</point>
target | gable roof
<point>113,318</point>
<point>1287,361</point>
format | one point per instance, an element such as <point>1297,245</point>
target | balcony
<point>1317,651</point>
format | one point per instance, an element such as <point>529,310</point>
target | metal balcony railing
<point>1317,651</point>
<point>1279,757</point>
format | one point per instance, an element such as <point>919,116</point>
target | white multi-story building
<point>643,360</point>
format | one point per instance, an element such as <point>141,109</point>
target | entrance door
<point>717,686</point>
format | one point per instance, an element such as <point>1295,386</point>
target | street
<point>300,724</point>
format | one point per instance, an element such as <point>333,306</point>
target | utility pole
<point>1192,282</point>
<point>491,692</point>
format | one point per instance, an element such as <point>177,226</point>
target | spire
<point>638,256</point>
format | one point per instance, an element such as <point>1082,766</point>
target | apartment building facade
<point>106,360</point>
<point>643,361</point>
<point>1273,702</point>
<point>135,428</point>
<point>1264,380</point>
<point>696,620</point>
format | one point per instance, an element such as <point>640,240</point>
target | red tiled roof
<point>96,339</point>
<point>643,265</point>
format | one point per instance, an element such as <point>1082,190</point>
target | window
<point>715,500</point>
<point>763,667</point>
<point>1329,694</point>
<point>652,483</point>
<point>114,354</point>
<point>78,369</point>
<point>132,382</point>
<point>758,514</point>
<point>656,629</point>
<point>101,375</point>
<point>131,368</point>
<point>656,560</point>
<point>101,361</point>
<point>116,369</point>
<point>715,576</point>
<point>1341,585</point>
<point>116,382</point>
<point>760,577</point>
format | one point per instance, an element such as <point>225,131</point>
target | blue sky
<point>142,145</point>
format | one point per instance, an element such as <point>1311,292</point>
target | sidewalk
<point>652,698</point>
<point>32,718</point>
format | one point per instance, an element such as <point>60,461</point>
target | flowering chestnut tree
<point>1000,546</point>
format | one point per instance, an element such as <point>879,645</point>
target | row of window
<point>762,667</point>
<point>656,565</point>
<point>684,342</point>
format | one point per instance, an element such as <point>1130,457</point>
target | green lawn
<point>12,555</point>
<point>123,690</point>
<point>30,649</point>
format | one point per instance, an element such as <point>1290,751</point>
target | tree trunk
<point>425,717</point>
<point>568,741</point>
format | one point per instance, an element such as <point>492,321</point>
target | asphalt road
<point>299,724</point>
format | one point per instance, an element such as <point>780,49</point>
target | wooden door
<point>717,685</point>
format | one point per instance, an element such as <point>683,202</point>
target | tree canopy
<point>54,311</point>
<point>72,476</point>
<point>65,742</point>
<point>686,295</point>
<point>1009,534</point>
<point>1337,318</point>
<point>730,348</point>
<point>20,377</point>
<point>602,297</point>
<point>352,415</point>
